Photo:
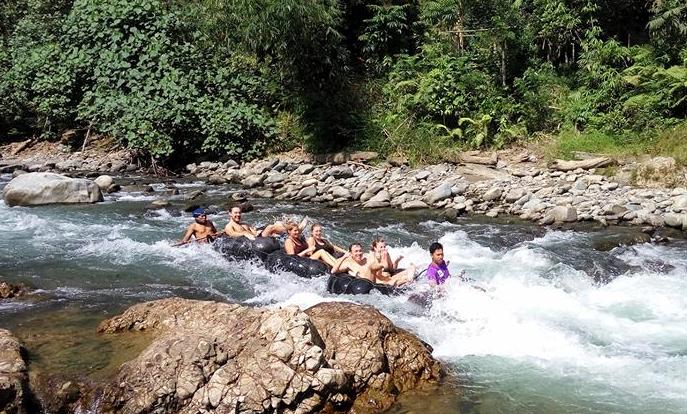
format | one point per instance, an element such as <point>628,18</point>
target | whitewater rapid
<point>532,331</point>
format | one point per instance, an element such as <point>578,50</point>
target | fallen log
<point>599,162</point>
<point>492,159</point>
<point>455,157</point>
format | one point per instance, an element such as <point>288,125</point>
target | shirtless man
<point>356,264</point>
<point>202,229</point>
<point>236,228</point>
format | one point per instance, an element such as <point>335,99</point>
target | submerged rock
<point>10,290</point>
<point>216,357</point>
<point>49,188</point>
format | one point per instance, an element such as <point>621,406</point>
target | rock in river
<point>14,389</point>
<point>216,357</point>
<point>50,188</point>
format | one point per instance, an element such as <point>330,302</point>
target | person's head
<point>378,244</point>
<point>200,215</point>
<point>235,214</point>
<point>356,251</point>
<point>316,231</point>
<point>292,229</point>
<point>437,252</point>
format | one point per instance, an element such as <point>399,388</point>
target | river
<point>558,327</point>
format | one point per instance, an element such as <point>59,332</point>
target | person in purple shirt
<point>437,272</point>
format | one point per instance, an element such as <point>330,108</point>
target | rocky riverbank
<point>649,191</point>
<point>564,192</point>
<point>217,357</point>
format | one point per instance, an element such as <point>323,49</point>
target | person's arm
<point>212,228</point>
<point>231,231</point>
<point>306,252</point>
<point>188,234</point>
<point>375,266</point>
<point>289,247</point>
<point>311,243</point>
<point>338,266</point>
<point>397,261</point>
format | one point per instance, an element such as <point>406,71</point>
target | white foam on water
<point>623,344</point>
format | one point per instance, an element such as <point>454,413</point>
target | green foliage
<point>386,33</point>
<point>242,77</point>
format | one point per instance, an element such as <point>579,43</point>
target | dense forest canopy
<point>235,78</point>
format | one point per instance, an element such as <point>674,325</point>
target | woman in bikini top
<point>294,244</point>
<point>316,241</point>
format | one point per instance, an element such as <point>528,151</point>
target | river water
<point>559,327</point>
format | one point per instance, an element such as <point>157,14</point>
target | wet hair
<point>290,225</point>
<point>377,240</point>
<point>236,206</point>
<point>315,225</point>
<point>350,247</point>
<point>434,247</point>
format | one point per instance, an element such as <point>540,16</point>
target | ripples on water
<point>545,336</point>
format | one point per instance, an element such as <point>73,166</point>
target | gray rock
<point>609,187</point>
<point>680,203</point>
<point>340,192</point>
<point>307,192</point>
<point>17,173</point>
<point>493,194</point>
<point>104,182</point>
<point>264,194</point>
<point>371,191</point>
<point>305,169</point>
<point>381,199</point>
<point>309,182</point>
<point>50,188</point>
<point>414,205</point>
<point>492,213</point>
<point>515,194</point>
<point>459,188</point>
<point>274,178</point>
<point>422,175</point>
<point>675,220</point>
<point>253,181</point>
<point>581,184</point>
<point>340,171</point>
<point>216,179</point>
<point>563,214</point>
<point>192,168</point>
<point>522,200</point>
<point>281,166</point>
<point>441,192</point>
<point>231,164</point>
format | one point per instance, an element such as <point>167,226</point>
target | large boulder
<point>49,188</point>
<point>14,389</point>
<point>217,357</point>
